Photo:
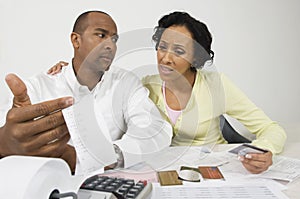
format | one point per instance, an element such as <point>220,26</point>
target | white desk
<point>191,156</point>
<point>291,150</point>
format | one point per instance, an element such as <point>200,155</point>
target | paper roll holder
<point>56,195</point>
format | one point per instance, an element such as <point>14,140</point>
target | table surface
<point>290,150</point>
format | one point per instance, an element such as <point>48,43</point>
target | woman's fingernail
<point>248,156</point>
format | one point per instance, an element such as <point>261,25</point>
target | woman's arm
<point>269,135</point>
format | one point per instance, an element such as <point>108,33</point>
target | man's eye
<point>114,38</point>
<point>101,35</point>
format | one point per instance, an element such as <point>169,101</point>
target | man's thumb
<point>19,90</point>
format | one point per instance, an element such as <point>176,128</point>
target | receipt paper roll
<point>27,177</point>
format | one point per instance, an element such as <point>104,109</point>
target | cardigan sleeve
<point>269,134</point>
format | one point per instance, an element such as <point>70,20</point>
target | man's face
<point>97,47</point>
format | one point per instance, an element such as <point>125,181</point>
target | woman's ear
<point>75,39</point>
<point>195,64</point>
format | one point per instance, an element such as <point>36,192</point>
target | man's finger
<point>39,110</point>
<point>19,90</point>
<point>40,125</point>
<point>54,149</point>
<point>47,138</point>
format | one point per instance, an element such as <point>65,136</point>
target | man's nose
<point>109,44</point>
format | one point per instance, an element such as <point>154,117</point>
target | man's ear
<point>75,39</point>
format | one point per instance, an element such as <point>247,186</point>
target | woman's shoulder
<point>149,79</point>
<point>209,75</point>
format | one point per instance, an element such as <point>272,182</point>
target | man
<point>133,121</point>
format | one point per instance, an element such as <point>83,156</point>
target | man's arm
<point>36,130</point>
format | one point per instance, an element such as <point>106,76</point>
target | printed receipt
<point>93,144</point>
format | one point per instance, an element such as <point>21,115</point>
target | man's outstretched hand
<point>36,130</point>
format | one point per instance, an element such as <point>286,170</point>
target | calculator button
<point>131,183</point>
<point>115,184</point>
<point>138,187</point>
<point>89,186</point>
<point>123,190</point>
<point>142,184</point>
<point>133,191</point>
<point>105,183</point>
<point>110,188</point>
<point>119,180</point>
<point>130,195</point>
<point>127,186</point>
<point>100,187</point>
<point>109,180</point>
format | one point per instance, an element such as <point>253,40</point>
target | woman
<point>192,99</point>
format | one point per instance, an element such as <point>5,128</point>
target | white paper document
<point>219,191</point>
<point>175,157</point>
<point>283,168</point>
<point>93,144</point>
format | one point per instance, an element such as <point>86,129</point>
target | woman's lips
<point>165,69</point>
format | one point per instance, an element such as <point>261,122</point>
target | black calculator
<point>100,186</point>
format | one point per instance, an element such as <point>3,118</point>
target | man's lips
<point>106,57</point>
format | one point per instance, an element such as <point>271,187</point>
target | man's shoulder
<point>43,82</point>
<point>117,74</point>
<point>45,77</point>
<point>38,78</point>
<point>43,86</point>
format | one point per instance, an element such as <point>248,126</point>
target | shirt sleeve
<point>147,132</point>
<point>269,134</point>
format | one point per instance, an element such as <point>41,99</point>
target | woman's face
<point>175,53</point>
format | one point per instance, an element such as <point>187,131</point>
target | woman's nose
<point>167,57</point>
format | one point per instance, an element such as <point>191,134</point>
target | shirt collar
<point>77,89</point>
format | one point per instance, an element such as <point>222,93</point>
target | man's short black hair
<point>80,23</point>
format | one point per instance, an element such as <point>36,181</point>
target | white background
<point>256,43</point>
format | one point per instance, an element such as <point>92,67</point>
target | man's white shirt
<point>134,123</point>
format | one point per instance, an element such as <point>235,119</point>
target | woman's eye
<point>179,51</point>
<point>162,47</point>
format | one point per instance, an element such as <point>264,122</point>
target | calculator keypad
<point>126,188</point>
